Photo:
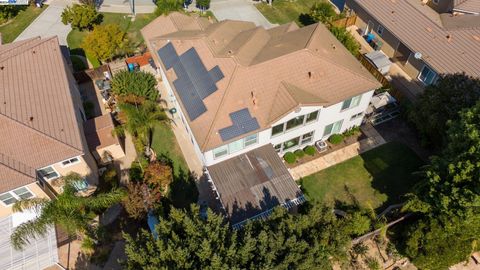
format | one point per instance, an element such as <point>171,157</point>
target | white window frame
<point>70,162</point>
<point>220,150</point>
<point>53,168</point>
<point>356,116</point>
<point>250,140</point>
<point>229,147</point>
<point>354,102</point>
<point>430,70</point>
<point>380,30</point>
<point>15,196</point>
<point>305,122</point>
<point>340,122</point>
<point>304,141</point>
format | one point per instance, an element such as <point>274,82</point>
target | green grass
<point>75,37</point>
<point>12,29</point>
<point>164,143</point>
<point>284,11</point>
<point>376,178</point>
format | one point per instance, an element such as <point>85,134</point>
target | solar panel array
<point>243,123</point>
<point>194,82</point>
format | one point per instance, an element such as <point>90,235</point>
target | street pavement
<point>242,10</point>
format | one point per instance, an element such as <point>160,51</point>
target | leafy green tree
<point>165,7</point>
<point>141,120</point>
<point>138,84</point>
<point>7,12</point>
<point>346,39</point>
<point>203,4</point>
<point>322,12</point>
<point>440,103</point>
<point>81,16</point>
<point>283,241</point>
<point>448,201</point>
<point>72,213</point>
<point>104,41</point>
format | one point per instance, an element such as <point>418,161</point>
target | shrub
<point>309,150</point>
<point>104,42</point>
<point>346,39</point>
<point>351,132</point>
<point>164,7</point>
<point>336,138</point>
<point>299,153</point>
<point>81,17</point>
<point>290,157</point>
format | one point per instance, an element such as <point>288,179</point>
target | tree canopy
<point>72,213</point>
<point>133,85</point>
<point>104,41</point>
<point>81,16</point>
<point>165,7</point>
<point>283,241</point>
<point>322,12</point>
<point>440,103</point>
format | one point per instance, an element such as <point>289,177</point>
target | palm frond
<point>28,231</point>
<point>30,204</point>
<point>105,200</point>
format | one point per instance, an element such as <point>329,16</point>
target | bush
<point>336,139</point>
<point>81,17</point>
<point>346,39</point>
<point>351,132</point>
<point>299,153</point>
<point>290,157</point>
<point>164,7</point>
<point>309,150</point>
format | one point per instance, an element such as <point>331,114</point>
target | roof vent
<point>31,118</point>
<point>477,38</point>
<point>334,47</point>
<point>33,51</point>
<point>310,74</point>
<point>2,67</point>
<point>449,38</point>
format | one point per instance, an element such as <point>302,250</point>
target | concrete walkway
<point>374,140</point>
<point>242,10</point>
<point>49,23</point>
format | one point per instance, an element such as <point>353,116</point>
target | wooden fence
<point>345,22</point>
<point>373,70</point>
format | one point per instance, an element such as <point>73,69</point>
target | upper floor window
<point>351,102</point>
<point>48,173</point>
<point>427,75</point>
<point>295,122</point>
<point>71,161</point>
<point>9,198</point>
<point>235,146</point>
<point>220,151</point>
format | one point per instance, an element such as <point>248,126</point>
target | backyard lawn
<point>12,29</point>
<point>75,37</point>
<point>377,178</point>
<point>285,11</point>
<point>164,142</point>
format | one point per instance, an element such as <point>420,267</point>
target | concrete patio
<point>374,139</point>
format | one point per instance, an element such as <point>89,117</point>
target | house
<point>42,139</point>
<point>238,88</point>
<point>424,38</point>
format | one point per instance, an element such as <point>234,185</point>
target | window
<point>220,151</point>
<point>312,116</point>
<point>295,122</point>
<point>48,173</point>
<point>278,147</point>
<point>356,116</point>
<point>9,198</point>
<point>277,129</point>
<point>307,138</point>
<point>235,146</point>
<point>291,143</point>
<point>71,161</point>
<point>252,139</point>
<point>333,128</point>
<point>427,76</point>
<point>351,102</point>
<point>380,29</point>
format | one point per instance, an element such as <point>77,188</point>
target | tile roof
<point>445,45</point>
<point>468,6</point>
<point>269,72</point>
<point>253,183</point>
<point>98,132</point>
<point>39,121</point>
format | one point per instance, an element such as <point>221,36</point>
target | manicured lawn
<point>377,178</point>
<point>11,30</point>
<point>284,11</point>
<point>164,143</point>
<point>75,37</point>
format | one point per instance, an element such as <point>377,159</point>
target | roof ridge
<point>40,132</point>
<point>30,46</point>
<point>215,117</point>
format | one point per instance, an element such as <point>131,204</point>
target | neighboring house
<point>459,6</point>
<point>42,139</point>
<point>239,88</point>
<point>422,41</point>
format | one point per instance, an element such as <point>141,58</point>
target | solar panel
<point>243,123</point>
<point>194,83</point>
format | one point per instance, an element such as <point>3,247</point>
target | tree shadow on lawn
<point>394,168</point>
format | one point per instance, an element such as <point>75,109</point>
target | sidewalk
<point>374,140</point>
<point>49,23</point>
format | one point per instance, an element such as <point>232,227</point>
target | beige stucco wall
<point>115,151</point>
<point>413,67</point>
<point>86,167</point>
<point>34,188</point>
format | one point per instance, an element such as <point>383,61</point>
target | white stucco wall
<point>326,116</point>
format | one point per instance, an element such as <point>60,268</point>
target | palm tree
<point>141,120</point>
<point>72,213</point>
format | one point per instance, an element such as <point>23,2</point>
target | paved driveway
<point>242,10</point>
<point>48,24</point>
